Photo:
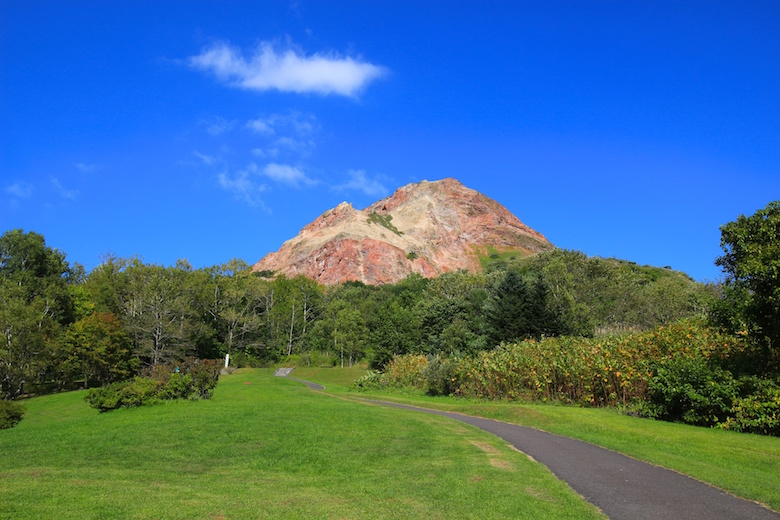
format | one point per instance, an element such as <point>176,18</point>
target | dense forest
<point>64,328</point>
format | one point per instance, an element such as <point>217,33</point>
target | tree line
<point>63,327</point>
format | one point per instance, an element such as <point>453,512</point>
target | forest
<point>64,328</point>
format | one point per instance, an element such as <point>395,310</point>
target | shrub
<point>125,394</point>
<point>190,379</point>
<point>606,371</point>
<point>440,375</point>
<point>10,414</point>
<point>406,370</point>
<point>204,373</point>
<point>179,386</point>
<point>757,410</point>
<point>372,379</point>
<point>691,391</point>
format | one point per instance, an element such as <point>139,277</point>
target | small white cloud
<point>286,71</point>
<point>20,189</point>
<point>218,125</point>
<point>296,123</point>
<point>293,145</point>
<point>61,190</point>
<point>286,174</point>
<point>359,182</point>
<point>242,186</point>
<point>208,160</point>
<point>261,126</point>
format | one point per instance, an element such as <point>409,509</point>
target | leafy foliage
<point>752,263</point>
<point>757,409</point>
<point>34,306</point>
<point>96,348</point>
<point>192,379</point>
<point>11,413</point>
<point>690,390</point>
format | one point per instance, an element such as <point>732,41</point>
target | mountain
<point>428,228</point>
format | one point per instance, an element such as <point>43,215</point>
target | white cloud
<point>359,182</point>
<point>286,70</point>
<point>286,174</point>
<point>261,126</point>
<point>293,145</point>
<point>218,125</point>
<point>208,160</point>
<point>61,190</point>
<point>242,186</point>
<point>20,189</point>
<point>294,122</point>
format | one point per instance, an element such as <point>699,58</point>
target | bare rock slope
<point>428,228</point>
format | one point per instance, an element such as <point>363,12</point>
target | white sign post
<point>227,359</point>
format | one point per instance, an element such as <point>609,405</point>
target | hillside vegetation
<point>535,327</point>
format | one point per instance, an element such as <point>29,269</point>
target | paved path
<point>622,487</point>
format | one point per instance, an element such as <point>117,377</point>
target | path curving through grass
<point>622,487</point>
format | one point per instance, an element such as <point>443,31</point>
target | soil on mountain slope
<point>428,228</point>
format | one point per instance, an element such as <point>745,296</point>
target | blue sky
<point>214,130</point>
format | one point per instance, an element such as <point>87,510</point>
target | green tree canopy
<point>34,305</point>
<point>752,264</point>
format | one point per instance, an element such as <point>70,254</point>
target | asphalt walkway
<point>622,487</point>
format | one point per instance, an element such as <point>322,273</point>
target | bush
<point>440,375</point>
<point>606,371</point>
<point>372,379</point>
<point>691,391</point>
<point>190,379</point>
<point>757,410</point>
<point>125,394</point>
<point>406,370</point>
<point>10,414</point>
<point>205,375</point>
<point>179,386</point>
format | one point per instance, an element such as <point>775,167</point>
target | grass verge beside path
<point>745,465</point>
<point>265,447</point>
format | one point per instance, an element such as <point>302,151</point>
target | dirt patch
<point>500,464</point>
<point>487,448</point>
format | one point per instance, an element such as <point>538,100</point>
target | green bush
<point>372,379</point>
<point>125,394</point>
<point>440,375</point>
<point>205,375</point>
<point>691,391</point>
<point>179,386</point>
<point>190,379</point>
<point>757,410</point>
<point>10,414</point>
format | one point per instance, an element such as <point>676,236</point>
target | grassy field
<point>746,465</point>
<point>266,447</point>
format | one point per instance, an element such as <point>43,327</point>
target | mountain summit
<point>428,228</point>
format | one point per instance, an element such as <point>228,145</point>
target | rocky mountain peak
<point>428,228</point>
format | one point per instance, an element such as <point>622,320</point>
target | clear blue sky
<point>214,130</point>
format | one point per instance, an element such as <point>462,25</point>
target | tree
<point>98,349</point>
<point>518,310</point>
<point>752,265</point>
<point>34,306</point>
<point>158,310</point>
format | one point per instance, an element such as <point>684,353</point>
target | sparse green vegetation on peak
<point>384,221</point>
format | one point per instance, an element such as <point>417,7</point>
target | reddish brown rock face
<point>428,228</point>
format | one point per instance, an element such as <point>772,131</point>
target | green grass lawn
<point>746,465</point>
<point>265,447</point>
